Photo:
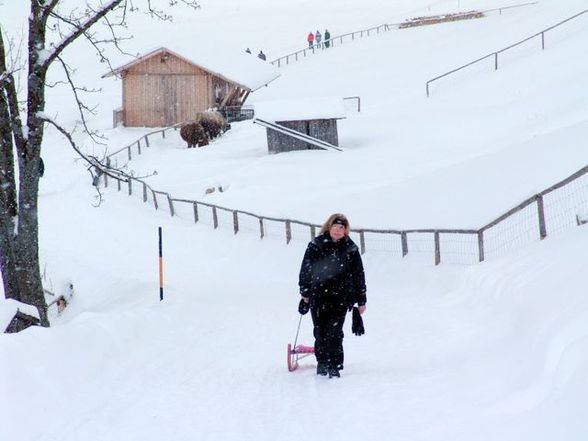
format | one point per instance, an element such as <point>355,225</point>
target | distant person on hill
<point>248,50</point>
<point>261,55</point>
<point>317,38</point>
<point>331,281</point>
<point>327,38</point>
<point>310,39</point>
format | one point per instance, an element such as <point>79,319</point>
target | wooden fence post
<point>362,242</point>
<point>261,230</point>
<point>144,192</point>
<point>312,232</point>
<point>171,205</point>
<point>146,140</point>
<point>495,60</point>
<point>481,245</point>
<point>118,183</point>
<point>163,134</point>
<point>130,187</point>
<point>543,40</point>
<point>195,212</point>
<point>214,217</point>
<point>129,152</point>
<point>138,147</point>
<point>235,222</point>
<point>541,213</point>
<point>155,200</point>
<point>288,231</point>
<point>404,240</point>
<point>437,249</point>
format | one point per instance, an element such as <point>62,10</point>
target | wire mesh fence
<point>516,231</point>
<point>556,209</point>
<point>459,248</point>
<point>567,206</point>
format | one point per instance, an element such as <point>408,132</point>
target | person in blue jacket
<point>331,281</point>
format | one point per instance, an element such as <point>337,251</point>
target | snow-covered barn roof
<point>246,70</point>
<point>8,309</point>
<point>301,109</point>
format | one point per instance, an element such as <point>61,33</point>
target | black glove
<point>357,322</point>
<point>303,307</point>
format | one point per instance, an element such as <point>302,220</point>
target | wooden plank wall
<point>324,129</point>
<point>159,93</point>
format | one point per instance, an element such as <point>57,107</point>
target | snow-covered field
<point>492,351</point>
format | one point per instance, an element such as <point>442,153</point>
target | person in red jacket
<point>310,39</point>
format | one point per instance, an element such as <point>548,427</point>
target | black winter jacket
<point>332,272</point>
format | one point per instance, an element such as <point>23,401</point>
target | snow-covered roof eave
<point>253,89</point>
<point>249,84</point>
<point>301,109</point>
<point>9,308</point>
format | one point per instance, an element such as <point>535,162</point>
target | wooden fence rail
<point>406,239</point>
<point>495,54</point>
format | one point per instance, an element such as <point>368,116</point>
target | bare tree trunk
<point>19,223</point>
<point>7,202</point>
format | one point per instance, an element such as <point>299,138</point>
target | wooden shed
<point>17,316</point>
<point>316,117</point>
<point>162,88</point>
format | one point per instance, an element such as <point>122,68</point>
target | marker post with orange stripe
<point>160,266</point>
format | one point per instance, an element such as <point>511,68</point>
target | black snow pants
<point>328,323</point>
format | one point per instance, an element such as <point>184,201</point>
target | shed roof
<point>9,307</point>
<point>301,109</point>
<point>241,68</point>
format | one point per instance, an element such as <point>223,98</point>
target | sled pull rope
<point>298,331</point>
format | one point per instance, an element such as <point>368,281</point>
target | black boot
<point>334,372</point>
<point>321,369</point>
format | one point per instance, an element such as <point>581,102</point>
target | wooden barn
<point>162,88</point>
<point>316,117</point>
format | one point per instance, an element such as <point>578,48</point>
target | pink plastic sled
<point>297,353</point>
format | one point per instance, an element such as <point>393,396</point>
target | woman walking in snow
<point>331,281</point>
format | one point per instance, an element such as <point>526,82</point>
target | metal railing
<point>237,113</point>
<point>496,53</point>
<point>351,36</point>
<point>505,8</point>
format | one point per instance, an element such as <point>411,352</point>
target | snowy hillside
<point>491,351</point>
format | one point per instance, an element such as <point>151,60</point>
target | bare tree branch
<point>96,167</point>
<point>82,108</point>
<point>19,192</point>
<point>80,29</point>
